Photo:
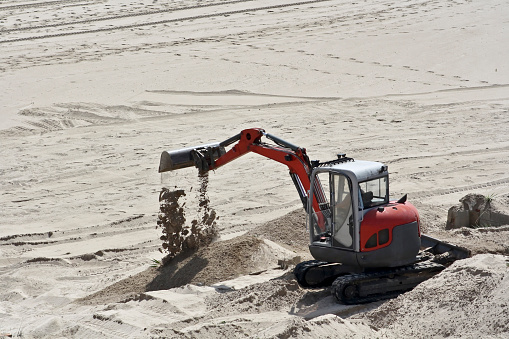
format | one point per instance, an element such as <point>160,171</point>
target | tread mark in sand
<point>161,21</point>
<point>115,17</point>
<point>427,194</point>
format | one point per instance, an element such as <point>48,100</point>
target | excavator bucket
<point>198,156</point>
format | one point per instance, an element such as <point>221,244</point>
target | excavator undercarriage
<point>352,285</point>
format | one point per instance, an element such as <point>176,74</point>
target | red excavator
<point>366,246</point>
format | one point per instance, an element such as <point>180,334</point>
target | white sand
<point>91,92</point>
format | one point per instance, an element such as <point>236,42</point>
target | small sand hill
<point>217,262</point>
<point>470,299</point>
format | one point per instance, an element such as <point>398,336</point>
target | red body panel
<point>385,217</point>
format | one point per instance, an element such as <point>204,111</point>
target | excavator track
<point>316,273</point>
<point>349,286</point>
<point>379,285</point>
<point>302,269</point>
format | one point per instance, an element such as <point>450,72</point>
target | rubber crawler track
<point>161,21</point>
<point>301,269</point>
<point>342,282</point>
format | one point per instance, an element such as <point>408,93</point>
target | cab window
<point>374,192</point>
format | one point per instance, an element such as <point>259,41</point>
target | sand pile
<point>289,231</point>
<point>220,261</point>
<point>470,299</point>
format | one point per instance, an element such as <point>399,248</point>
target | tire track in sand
<point>159,22</point>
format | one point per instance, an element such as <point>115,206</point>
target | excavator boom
<point>212,156</point>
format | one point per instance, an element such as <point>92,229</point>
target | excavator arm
<point>212,156</point>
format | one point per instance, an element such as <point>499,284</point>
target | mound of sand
<point>470,299</point>
<point>220,261</point>
<point>289,231</point>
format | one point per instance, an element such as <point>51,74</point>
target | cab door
<point>342,211</point>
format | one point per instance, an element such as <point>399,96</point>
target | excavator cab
<point>356,224</point>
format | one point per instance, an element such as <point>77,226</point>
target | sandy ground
<point>92,91</point>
